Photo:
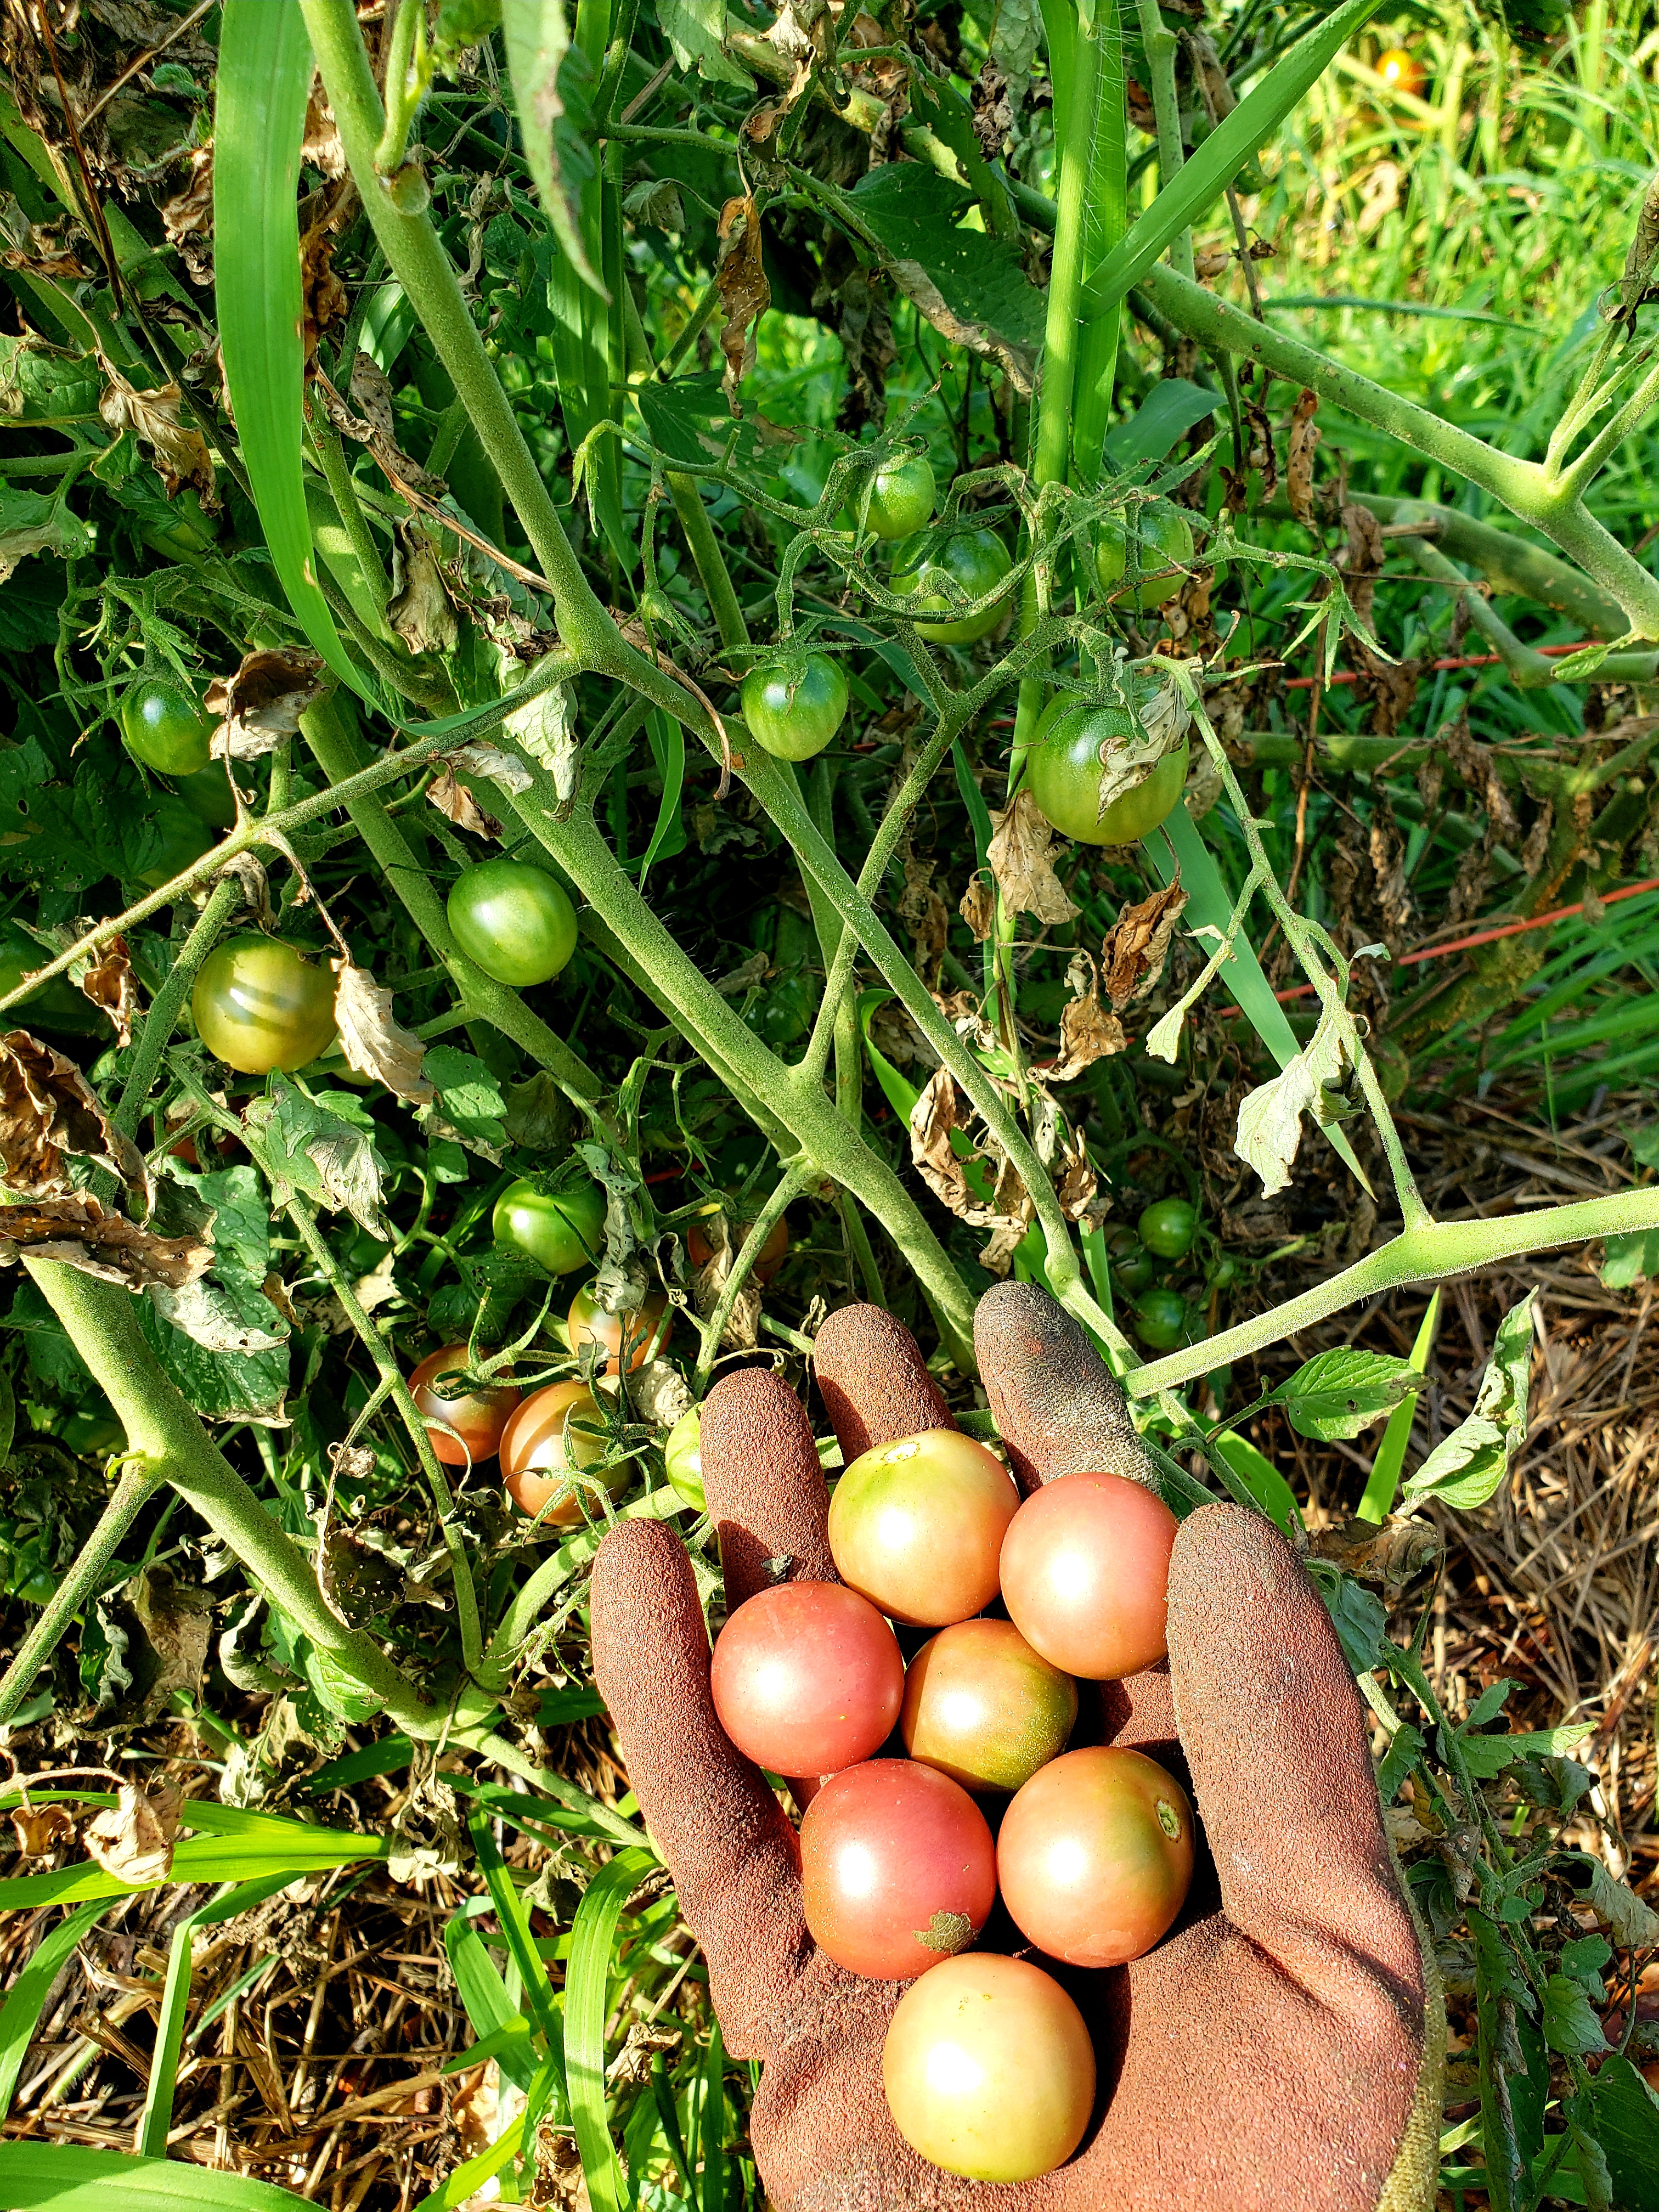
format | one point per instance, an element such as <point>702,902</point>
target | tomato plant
<point>983,1707</point>
<point>1063,773</point>
<point>1161,1319</point>
<point>917,1526</point>
<point>1163,548</point>
<point>973,562</point>
<point>683,1459</point>
<point>166,727</point>
<point>1167,1227</point>
<point>547,1435</point>
<point>258,1004</point>
<point>513,920</point>
<point>807,1678</point>
<point>902,497</point>
<point>642,1331</point>
<point>467,1428</point>
<point>561,1228</point>
<point>1095,1855</point>
<point>793,705</point>
<point>1085,1574</point>
<point>898,1870</point>
<point>988,2068</point>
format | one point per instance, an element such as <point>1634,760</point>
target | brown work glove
<point>1272,2050</point>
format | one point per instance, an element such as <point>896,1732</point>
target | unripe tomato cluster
<point>1093,1853</point>
<point>1142,1258</point>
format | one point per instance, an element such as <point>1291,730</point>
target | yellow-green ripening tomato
<point>795,705</point>
<point>974,562</point>
<point>900,498</point>
<point>1063,776</point>
<point>513,920</point>
<point>1163,546</point>
<point>683,1459</point>
<point>259,1005</point>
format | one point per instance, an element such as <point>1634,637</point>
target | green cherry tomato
<point>208,797</point>
<point>164,726</point>
<point>1133,1267</point>
<point>1168,1228</point>
<point>513,920</point>
<point>55,1006</point>
<point>183,837</point>
<point>1161,1320</point>
<point>682,1458</point>
<point>562,1230</point>
<point>1066,750</point>
<point>795,705</point>
<point>259,1005</point>
<point>1163,546</point>
<point>1225,1274</point>
<point>900,498</point>
<point>974,562</point>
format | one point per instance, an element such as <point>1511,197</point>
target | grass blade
<point>713,2125</point>
<point>516,1927</point>
<point>1178,843</point>
<point>264,82</point>
<point>1262,1481</point>
<point>537,39</point>
<point>208,1858</point>
<point>1202,179</point>
<point>1384,1484</point>
<point>586,2002</point>
<point>157,2120</point>
<point>20,2014</point>
<point>72,2178</point>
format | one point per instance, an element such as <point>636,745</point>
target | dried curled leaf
<point>1018,858</point>
<point>420,609</point>
<point>181,454</point>
<point>455,801</point>
<point>261,704</point>
<point>1087,1032</point>
<point>503,767</point>
<point>78,1233</point>
<point>1136,948</point>
<point>1270,1117</point>
<point>41,1828</point>
<point>373,1042</point>
<point>978,908</point>
<point>107,981</point>
<point>742,1332</point>
<point>187,218</point>
<point>47,1112</point>
<point>744,293</point>
<point>1299,469</point>
<point>133,1840</point>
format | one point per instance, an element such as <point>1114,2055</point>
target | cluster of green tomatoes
<point>1160,1316</point>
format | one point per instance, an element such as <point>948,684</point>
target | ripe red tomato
<point>1402,71</point>
<point>478,1418</point>
<point>984,1708</point>
<point>551,1433</point>
<point>645,1331</point>
<point>988,2068</point>
<point>773,1253</point>
<point>898,1870</point>
<point>1095,1855</point>
<point>807,1678</point>
<point>258,1006</point>
<point>917,1526</point>
<point>1066,750</point>
<point>1085,1574</point>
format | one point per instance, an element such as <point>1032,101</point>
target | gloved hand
<point>1272,2050</point>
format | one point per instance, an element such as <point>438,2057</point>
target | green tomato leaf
<point>1570,2026</point>
<point>1466,1467</point>
<point>971,288</point>
<point>1487,1706</point>
<point>469,1103</point>
<point>314,1147</point>
<point>31,523</point>
<point>1166,413</point>
<point>1360,1616</point>
<point>1488,1755</point>
<point>1627,1258</point>
<point>1338,1393</point>
<point>1627,2118</point>
<point>1585,1961</point>
<point>696,30</point>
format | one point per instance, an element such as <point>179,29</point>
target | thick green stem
<point>169,1002</point>
<point>710,561</point>
<point>1523,487</point>
<point>138,1484</point>
<point>101,1323</point>
<point>1161,43</point>
<point>1417,1255</point>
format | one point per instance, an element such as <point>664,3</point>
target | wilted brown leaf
<point>324,299</point>
<point>1362,557</point>
<point>1299,469</point>
<point>1392,1554</point>
<point>743,1328</point>
<point>181,454</point>
<point>133,1840</point>
<point>1477,765</point>
<point>420,609</point>
<point>924,911</point>
<point>1087,1032</point>
<point>744,293</point>
<point>1018,858</point>
<point>187,218</point>
<point>320,148</point>
<point>107,981</point>
<point>41,1828</point>
<point>261,704</point>
<point>454,801</point>
<point>934,1115</point>
<point>48,1110</point>
<point>978,908</point>
<point>372,1041</point>
<point>1136,948</point>
<point>78,1233</point>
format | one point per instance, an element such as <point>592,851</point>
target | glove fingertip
<point>763,1482</point>
<point>874,1380</point>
